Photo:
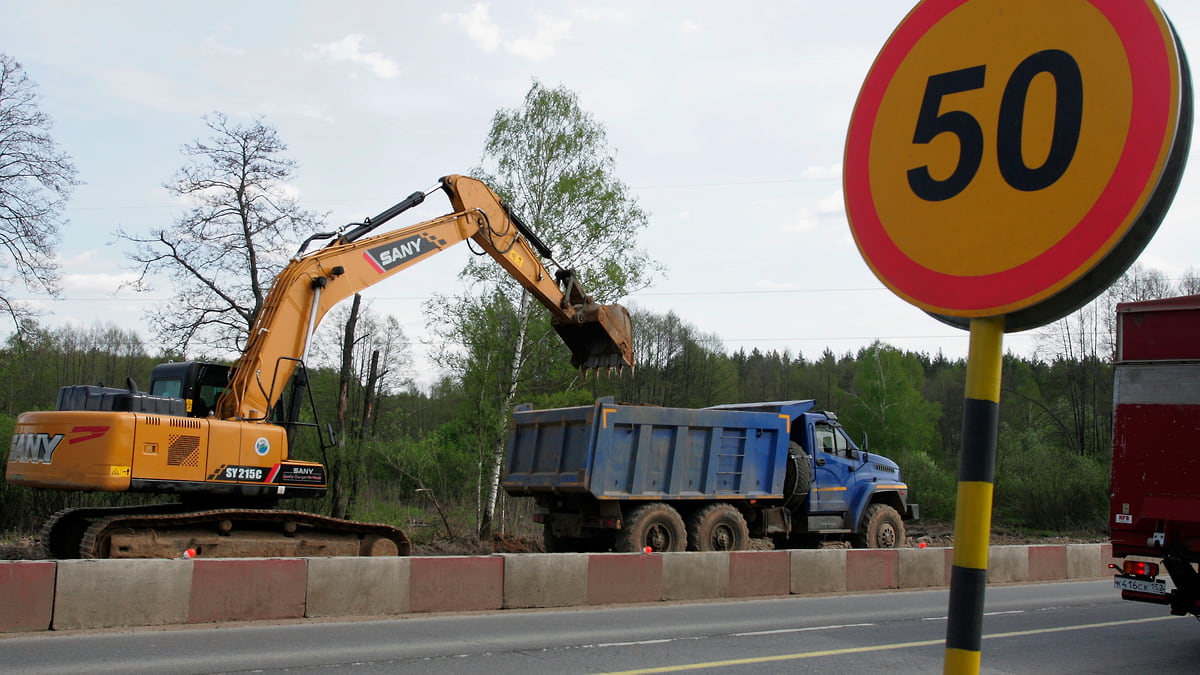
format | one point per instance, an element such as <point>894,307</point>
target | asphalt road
<point>1080,627</point>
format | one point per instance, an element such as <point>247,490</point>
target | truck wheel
<point>655,525</point>
<point>718,527</point>
<point>881,527</point>
<point>797,479</point>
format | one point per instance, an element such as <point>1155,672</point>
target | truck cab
<point>843,480</point>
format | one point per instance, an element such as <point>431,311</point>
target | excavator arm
<point>599,336</point>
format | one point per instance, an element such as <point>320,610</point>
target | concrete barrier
<point>1084,561</point>
<point>620,578</point>
<point>872,569</point>
<point>558,580</point>
<point>26,596</point>
<point>1047,563</point>
<point>456,584</point>
<point>921,568</point>
<point>242,589</point>
<point>695,576</point>
<point>818,571</point>
<point>83,594</point>
<point>757,573</point>
<point>357,586</point>
<point>117,593</point>
<point>1007,564</point>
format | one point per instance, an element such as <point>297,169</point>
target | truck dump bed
<point>1156,429</point>
<point>642,452</point>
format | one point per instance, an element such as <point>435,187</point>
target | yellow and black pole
<point>924,237</point>
<point>973,512</point>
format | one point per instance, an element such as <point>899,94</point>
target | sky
<point>728,123</point>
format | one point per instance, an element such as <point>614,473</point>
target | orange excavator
<point>218,437</point>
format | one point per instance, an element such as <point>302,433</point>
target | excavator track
<point>62,532</point>
<point>170,531</point>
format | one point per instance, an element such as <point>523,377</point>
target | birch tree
<point>550,161</point>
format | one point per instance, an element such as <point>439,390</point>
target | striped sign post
<point>1006,161</point>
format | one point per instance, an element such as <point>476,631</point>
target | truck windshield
<point>833,440</point>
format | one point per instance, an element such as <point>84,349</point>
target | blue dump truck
<point>625,477</point>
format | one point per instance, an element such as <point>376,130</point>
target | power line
<point>770,181</point>
<point>638,294</point>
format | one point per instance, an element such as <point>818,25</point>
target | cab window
<point>170,387</point>
<point>825,438</point>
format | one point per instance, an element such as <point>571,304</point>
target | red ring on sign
<point>1011,289</point>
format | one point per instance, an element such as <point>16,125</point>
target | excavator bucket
<point>600,337</point>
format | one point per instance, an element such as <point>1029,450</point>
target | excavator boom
<point>599,336</point>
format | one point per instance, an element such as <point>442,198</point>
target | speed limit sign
<point>1013,157</point>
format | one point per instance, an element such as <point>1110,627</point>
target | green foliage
<point>930,485</point>
<point>888,405</point>
<point>551,162</point>
<point>1038,485</point>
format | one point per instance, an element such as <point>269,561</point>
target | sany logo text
<point>33,448</point>
<point>38,448</point>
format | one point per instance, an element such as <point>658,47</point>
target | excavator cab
<point>198,384</point>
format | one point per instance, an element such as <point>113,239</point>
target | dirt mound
<point>24,548</point>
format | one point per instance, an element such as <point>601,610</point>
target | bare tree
<point>1190,283</point>
<point>35,181</point>
<point>222,255</point>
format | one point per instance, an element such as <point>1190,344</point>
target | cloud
<point>548,33</point>
<point>545,40</point>
<point>480,27</point>
<point>89,284</point>
<point>822,172</point>
<point>833,203</point>
<point>601,14</point>
<point>210,44</point>
<point>802,223</point>
<point>350,48</point>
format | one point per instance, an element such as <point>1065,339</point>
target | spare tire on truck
<point>656,525</point>
<point>798,477</point>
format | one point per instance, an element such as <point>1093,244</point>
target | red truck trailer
<point>1155,508</point>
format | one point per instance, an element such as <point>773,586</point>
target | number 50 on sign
<point>1012,157</point>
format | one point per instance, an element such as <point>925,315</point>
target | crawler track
<point>168,531</point>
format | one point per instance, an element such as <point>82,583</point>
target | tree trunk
<point>485,524</point>
<point>341,496</point>
<point>368,411</point>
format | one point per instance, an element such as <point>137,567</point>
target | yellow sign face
<point>1001,149</point>
<point>990,225</point>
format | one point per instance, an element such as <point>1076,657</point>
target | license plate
<point>1140,586</point>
